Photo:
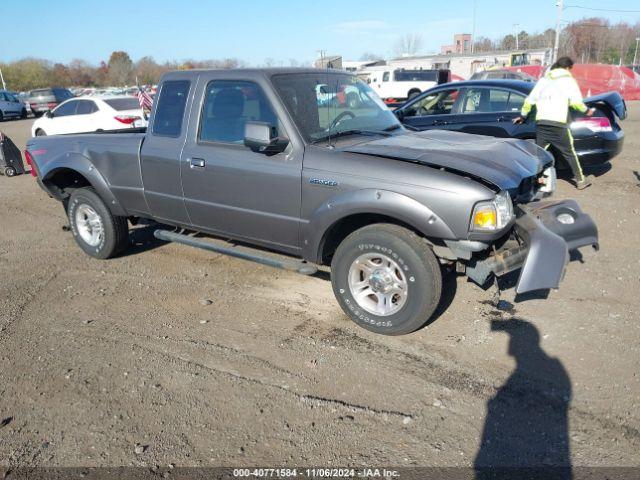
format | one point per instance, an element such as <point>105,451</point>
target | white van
<point>399,84</point>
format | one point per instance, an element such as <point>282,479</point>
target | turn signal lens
<point>494,214</point>
<point>485,219</point>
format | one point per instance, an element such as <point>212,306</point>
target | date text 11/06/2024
<point>315,473</point>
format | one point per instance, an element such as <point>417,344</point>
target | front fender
<point>82,165</point>
<point>369,201</point>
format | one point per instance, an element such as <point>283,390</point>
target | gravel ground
<point>121,362</point>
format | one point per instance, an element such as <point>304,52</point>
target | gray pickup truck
<point>277,160</point>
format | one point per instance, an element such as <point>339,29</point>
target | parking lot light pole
<point>635,54</point>
<point>556,44</point>
<point>4,85</point>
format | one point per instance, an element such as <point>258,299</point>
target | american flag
<point>144,99</point>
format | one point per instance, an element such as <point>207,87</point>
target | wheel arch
<point>73,172</point>
<point>336,219</point>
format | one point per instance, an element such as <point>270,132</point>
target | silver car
<point>10,106</point>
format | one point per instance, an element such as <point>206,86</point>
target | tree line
<point>590,40</point>
<point>120,70</point>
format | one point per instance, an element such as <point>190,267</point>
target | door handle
<point>197,163</point>
<point>440,122</point>
<point>504,118</point>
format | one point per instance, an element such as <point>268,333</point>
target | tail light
<point>29,159</point>
<point>126,119</point>
<point>595,124</point>
<point>52,105</point>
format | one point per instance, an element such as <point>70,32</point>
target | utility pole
<point>556,44</point>
<point>635,55</point>
<point>515,27</point>
<point>4,85</point>
<point>473,30</point>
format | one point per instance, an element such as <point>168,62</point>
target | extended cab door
<point>160,153</point>
<point>229,189</point>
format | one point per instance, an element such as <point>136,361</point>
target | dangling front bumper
<point>544,234</point>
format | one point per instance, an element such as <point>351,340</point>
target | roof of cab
<point>252,72</point>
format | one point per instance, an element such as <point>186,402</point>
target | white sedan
<point>90,114</point>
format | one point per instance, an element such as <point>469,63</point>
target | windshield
<point>326,104</point>
<point>416,75</point>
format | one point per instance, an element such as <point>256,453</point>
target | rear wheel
<point>96,230</point>
<point>40,133</point>
<point>23,114</point>
<point>1,116</point>
<point>10,172</point>
<point>387,279</point>
<point>413,94</point>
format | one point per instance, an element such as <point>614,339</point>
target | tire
<point>1,116</point>
<point>10,172</point>
<point>24,114</point>
<point>413,94</point>
<point>390,254</point>
<point>98,232</point>
<point>40,133</point>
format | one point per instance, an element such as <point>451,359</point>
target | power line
<point>601,9</point>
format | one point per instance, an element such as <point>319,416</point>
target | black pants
<point>560,138</point>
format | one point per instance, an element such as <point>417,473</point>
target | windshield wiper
<point>355,131</point>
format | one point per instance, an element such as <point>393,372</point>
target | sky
<point>255,30</point>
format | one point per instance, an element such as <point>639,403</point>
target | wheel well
<point>347,225</point>
<point>64,181</point>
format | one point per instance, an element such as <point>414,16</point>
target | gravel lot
<point>120,362</point>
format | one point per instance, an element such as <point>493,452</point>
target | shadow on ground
<point>526,433</point>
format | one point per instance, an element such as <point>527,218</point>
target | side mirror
<point>48,114</point>
<point>400,114</point>
<point>261,137</point>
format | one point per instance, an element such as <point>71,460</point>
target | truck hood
<point>502,162</point>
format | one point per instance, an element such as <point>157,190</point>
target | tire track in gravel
<point>235,376</point>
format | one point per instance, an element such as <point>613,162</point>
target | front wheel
<point>387,279</point>
<point>10,172</point>
<point>96,230</point>
<point>23,113</point>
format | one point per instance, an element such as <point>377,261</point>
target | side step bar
<point>300,266</point>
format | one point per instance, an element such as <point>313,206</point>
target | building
<point>461,44</point>
<point>329,61</point>
<point>466,64</point>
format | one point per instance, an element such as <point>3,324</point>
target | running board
<point>300,266</point>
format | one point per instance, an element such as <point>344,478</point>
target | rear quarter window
<point>170,108</point>
<point>121,104</point>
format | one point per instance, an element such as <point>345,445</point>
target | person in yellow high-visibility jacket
<point>555,94</point>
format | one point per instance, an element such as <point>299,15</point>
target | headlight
<point>492,215</point>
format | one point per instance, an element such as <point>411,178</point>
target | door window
<point>228,105</point>
<point>86,107</point>
<point>437,103</point>
<point>167,121</point>
<point>66,109</point>
<point>516,100</point>
<point>385,77</point>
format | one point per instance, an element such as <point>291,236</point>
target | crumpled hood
<point>500,161</point>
